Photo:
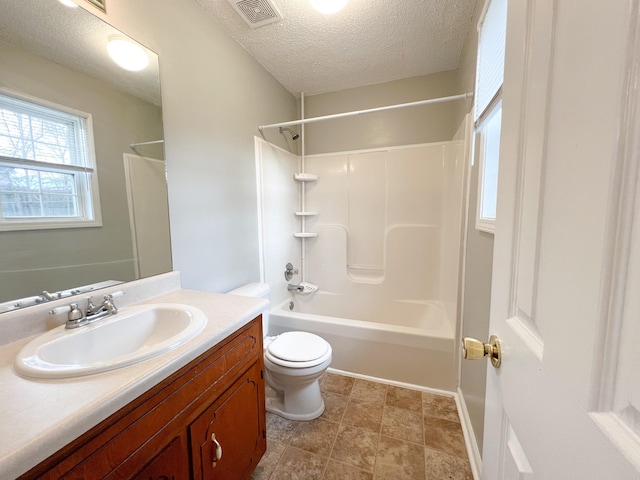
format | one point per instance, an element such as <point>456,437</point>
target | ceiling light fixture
<point>328,6</point>
<point>68,3</point>
<point>127,54</point>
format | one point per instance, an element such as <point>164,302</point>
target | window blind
<point>490,63</point>
<point>37,133</point>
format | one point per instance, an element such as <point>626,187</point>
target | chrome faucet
<point>48,297</point>
<point>297,288</point>
<point>107,307</point>
<point>77,319</point>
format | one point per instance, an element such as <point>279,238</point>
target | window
<point>47,166</point>
<point>489,153</point>
<point>488,108</point>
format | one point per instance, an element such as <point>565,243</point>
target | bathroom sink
<point>131,336</point>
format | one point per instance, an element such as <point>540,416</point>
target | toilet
<point>293,361</point>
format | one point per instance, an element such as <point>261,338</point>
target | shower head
<point>294,135</point>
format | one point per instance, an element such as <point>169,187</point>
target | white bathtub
<point>401,340</point>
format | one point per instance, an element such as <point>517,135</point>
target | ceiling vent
<point>256,13</point>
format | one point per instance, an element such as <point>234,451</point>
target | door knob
<point>473,349</point>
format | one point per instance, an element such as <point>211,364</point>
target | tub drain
<point>291,305</point>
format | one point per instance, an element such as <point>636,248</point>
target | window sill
<point>49,225</point>
<point>486,225</point>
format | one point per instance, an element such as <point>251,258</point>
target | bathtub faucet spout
<point>297,288</point>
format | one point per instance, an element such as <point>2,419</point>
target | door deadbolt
<point>474,349</point>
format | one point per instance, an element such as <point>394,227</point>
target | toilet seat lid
<point>298,347</point>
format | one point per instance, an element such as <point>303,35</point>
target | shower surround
<point>386,258</point>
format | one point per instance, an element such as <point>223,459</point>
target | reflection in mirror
<point>57,56</point>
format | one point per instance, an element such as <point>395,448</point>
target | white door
<point>565,404</point>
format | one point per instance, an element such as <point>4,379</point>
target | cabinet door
<point>170,464</point>
<point>237,420</point>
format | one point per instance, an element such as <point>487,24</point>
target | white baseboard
<point>469,438</point>
<point>395,383</point>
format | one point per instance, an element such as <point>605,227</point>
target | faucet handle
<point>75,313</point>
<point>113,295</point>
<point>109,296</point>
<point>59,310</point>
<point>75,318</point>
<point>109,305</point>
<point>289,271</point>
<point>71,309</point>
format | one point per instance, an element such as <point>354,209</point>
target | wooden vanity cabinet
<point>166,433</point>
<point>237,435</point>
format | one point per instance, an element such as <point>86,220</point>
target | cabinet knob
<point>217,452</point>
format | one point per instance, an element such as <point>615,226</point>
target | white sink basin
<point>134,334</point>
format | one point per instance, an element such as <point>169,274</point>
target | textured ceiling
<point>366,43</point>
<point>76,39</point>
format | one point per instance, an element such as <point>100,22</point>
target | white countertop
<point>41,416</point>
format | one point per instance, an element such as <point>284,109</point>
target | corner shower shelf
<point>305,177</point>
<point>305,235</point>
<point>305,214</point>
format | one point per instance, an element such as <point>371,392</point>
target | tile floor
<point>368,431</point>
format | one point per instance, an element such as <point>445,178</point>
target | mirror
<point>58,54</point>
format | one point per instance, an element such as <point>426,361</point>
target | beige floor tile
<point>296,464</point>
<point>402,424</point>
<point>442,466</point>
<point>340,471</point>
<point>340,384</point>
<point>363,414</point>
<point>404,398</point>
<point>316,436</point>
<point>399,460</point>
<point>444,436</point>
<point>369,391</point>
<point>356,447</point>
<point>334,405</point>
<point>439,406</point>
<point>280,429</point>
<point>368,431</point>
<point>269,461</point>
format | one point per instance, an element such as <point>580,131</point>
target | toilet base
<point>275,404</point>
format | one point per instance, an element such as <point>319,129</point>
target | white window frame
<point>488,161</point>
<point>488,102</point>
<point>86,177</point>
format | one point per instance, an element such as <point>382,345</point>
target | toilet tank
<point>256,290</point>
